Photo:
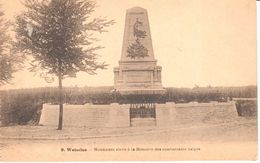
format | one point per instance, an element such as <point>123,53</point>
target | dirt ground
<point>220,141</point>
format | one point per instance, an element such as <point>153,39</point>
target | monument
<point>138,72</point>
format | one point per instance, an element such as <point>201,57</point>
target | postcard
<point>94,80</point>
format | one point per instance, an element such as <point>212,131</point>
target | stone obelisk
<point>138,72</point>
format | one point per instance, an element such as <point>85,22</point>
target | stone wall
<point>116,115</point>
<point>165,114</point>
<point>113,115</point>
<point>192,113</point>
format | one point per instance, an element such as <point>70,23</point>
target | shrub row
<point>20,110</point>
<point>246,108</point>
<point>24,106</point>
<point>103,95</point>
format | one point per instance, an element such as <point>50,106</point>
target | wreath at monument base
<point>137,50</point>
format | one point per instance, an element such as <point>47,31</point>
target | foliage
<point>58,35</point>
<point>247,108</point>
<point>207,94</point>
<point>8,62</point>
<point>23,106</point>
<point>20,110</point>
<point>80,96</point>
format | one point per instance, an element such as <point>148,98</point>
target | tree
<point>58,34</point>
<point>7,61</point>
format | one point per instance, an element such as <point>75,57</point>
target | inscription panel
<point>138,76</point>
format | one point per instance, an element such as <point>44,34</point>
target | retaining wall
<point>172,114</point>
<point>87,115</point>
<point>116,115</point>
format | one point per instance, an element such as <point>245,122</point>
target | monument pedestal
<point>138,77</point>
<point>138,72</point>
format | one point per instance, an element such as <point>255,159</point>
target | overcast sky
<point>202,42</point>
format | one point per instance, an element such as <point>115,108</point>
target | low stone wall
<point>113,115</point>
<point>116,115</point>
<point>165,114</point>
<point>173,114</point>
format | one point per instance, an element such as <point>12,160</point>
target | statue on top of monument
<point>136,49</point>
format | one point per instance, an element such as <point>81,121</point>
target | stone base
<point>141,91</point>
<point>138,77</point>
<point>138,122</point>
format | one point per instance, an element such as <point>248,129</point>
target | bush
<point>20,110</point>
<point>247,108</point>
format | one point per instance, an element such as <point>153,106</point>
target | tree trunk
<point>60,99</point>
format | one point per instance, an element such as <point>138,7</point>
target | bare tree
<point>58,36</point>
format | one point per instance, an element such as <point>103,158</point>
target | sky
<point>197,42</point>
